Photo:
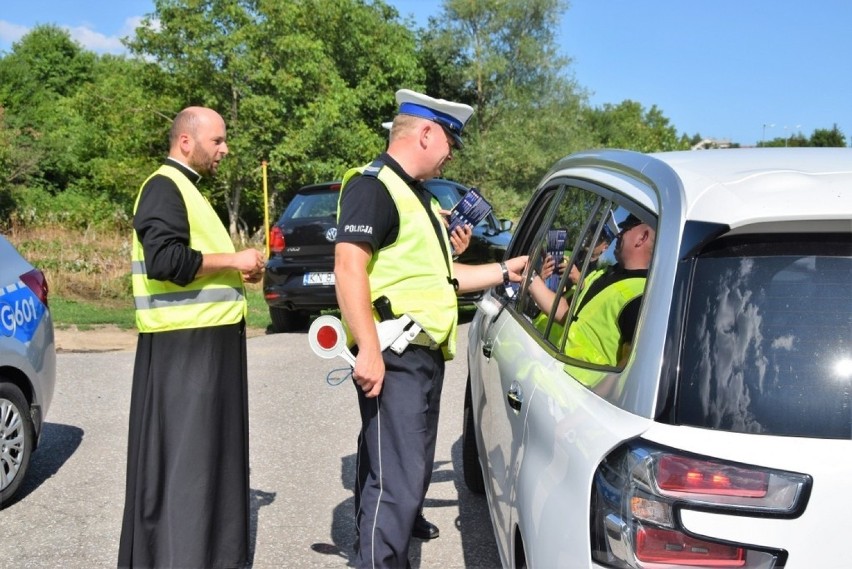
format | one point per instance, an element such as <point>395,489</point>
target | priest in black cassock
<point>187,493</point>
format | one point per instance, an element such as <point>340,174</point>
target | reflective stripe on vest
<point>413,271</point>
<point>210,300</point>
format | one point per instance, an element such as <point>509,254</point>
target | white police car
<point>722,434</point>
<point>27,366</point>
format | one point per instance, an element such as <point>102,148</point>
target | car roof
<point>320,187</point>
<point>740,186</point>
<point>737,187</point>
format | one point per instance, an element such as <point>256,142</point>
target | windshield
<point>767,346</point>
<point>320,204</point>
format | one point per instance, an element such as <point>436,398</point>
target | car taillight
<point>655,545</point>
<point>640,488</point>
<point>276,240</point>
<point>37,283</point>
<point>678,475</point>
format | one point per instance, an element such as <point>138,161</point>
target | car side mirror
<point>506,225</point>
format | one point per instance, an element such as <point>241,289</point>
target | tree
<point>37,78</point>
<point>828,138</point>
<point>44,65</point>
<point>17,164</point>
<point>298,84</point>
<point>629,126</point>
<point>500,56</point>
<point>120,133</point>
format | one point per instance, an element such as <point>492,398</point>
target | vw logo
<point>331,234</point>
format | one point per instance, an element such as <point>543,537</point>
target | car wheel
<point>16,440</point>
<point>284,320</point>
<point>470,454</point>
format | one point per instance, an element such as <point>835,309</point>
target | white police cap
<point>452,116</point>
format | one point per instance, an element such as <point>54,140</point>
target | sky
<point>736,70</point>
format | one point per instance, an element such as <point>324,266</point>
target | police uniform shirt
<point>368,213</point>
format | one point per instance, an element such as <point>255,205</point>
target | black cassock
<point>187,494</point>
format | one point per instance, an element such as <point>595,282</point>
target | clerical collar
<point>186,168</point>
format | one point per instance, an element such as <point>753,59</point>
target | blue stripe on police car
<point>20,312</point>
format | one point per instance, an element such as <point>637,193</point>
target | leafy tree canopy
<point>303,85</point>
<point>500,57</point>
<point>629,126</point>
<point>828,138</point>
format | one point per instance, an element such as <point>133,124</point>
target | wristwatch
<point>505,270</point>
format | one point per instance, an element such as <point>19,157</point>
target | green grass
<point>89,277</point>
<point>258,311</point>
<point>86,314</point>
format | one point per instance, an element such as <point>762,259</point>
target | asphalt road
<point>303,433</point>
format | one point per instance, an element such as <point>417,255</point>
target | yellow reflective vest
<point>557,328</point>
<point>413,272</point>
<point>210,300</point>
<point>594,335</point>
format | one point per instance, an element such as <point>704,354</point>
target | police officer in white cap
<point>392,244</point>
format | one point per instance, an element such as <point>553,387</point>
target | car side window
<point>584,290</point>
<point>446,194</point>
<point>564,223</point>
<point>569,253</point>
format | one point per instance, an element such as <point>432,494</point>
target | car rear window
<point>767,345</point>
<point>312,205</point>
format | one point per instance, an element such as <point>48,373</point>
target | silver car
<point>713,426</point>
<point>27,366</point>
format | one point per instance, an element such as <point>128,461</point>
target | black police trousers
<point>396,450</point>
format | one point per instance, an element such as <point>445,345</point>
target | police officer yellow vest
<point>594,336</point>
<point>211,300</point>
<point>413,272</point>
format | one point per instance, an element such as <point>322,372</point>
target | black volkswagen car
<point>299,277</point>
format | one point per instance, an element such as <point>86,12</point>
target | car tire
<point>17,438</point>
<point>284,320</point>
<point>473,478</point>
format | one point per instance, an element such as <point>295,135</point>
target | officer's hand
<point>547,267</point>
<point>516,267</point>
<point>369,372</point>
<point>574,274</point>
<point>460,238</point>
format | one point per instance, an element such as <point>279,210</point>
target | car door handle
<point>515,396</point>
<point>487,347</point>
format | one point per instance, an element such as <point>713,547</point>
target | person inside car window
<point>608,303</point>
<point>604,241</point>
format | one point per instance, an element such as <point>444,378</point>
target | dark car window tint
<point>312,205</point>
<point>446,194</point>
<point>768,344</point>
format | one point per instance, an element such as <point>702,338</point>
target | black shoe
<point>424,529</point>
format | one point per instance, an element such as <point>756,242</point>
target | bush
<point>71,209</point>
<point>91,265</point>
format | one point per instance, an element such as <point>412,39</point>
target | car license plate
<point>311,279</point>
